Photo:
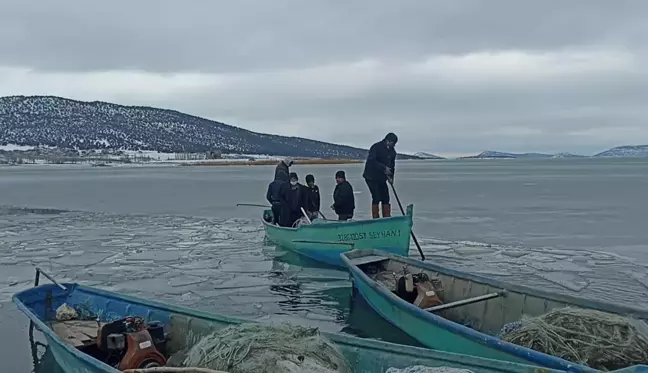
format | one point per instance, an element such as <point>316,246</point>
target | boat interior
<point>127,333</point>
<point>480,305</point>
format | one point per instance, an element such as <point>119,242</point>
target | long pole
<point>400,205</point>
<point>252,205</point>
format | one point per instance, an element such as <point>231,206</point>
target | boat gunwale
<point>533,357</point>
<point>408,218</point>
<point>354,342</point>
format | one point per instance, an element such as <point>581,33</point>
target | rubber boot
<point>375,211</point>
<point>386,210</point>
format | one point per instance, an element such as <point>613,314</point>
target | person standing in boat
<point>282,172</point>
<point>292,201</point>
<point>275,190</point>
<point>313,200</point>
<point>379,170</point>
<point>343,198</point>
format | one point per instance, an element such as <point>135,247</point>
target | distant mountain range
<point>424,155</point>
<point>69,124</point>
<point>627,151</point>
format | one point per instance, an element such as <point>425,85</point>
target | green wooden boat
<point>324,240</point>
<point>183,325</point>
<point>483,303</point>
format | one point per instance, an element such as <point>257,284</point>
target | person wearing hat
<point>293,200</point>
<point>379,170</point>
<point>282,172</point>
<point>343,198</point>
<point>313,197</point>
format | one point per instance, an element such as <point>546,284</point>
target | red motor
<point>128,343</point>
<point>141,352</point>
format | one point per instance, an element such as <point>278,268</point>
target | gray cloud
<point>448,76</point>
<point>208,36</point>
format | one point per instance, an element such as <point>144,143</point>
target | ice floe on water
<point>225,265</point>
<point>586,273</point>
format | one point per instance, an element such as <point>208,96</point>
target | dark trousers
<point>285,220</point>
<point>379,192</point>
<point>276,212</point>
<point>345,216</point>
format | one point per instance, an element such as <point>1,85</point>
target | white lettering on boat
<point>373,235</point>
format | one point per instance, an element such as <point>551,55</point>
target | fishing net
<point>600,340</point>
<point>260,348</point>
<point>424,369</point>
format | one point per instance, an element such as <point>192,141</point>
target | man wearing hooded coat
<point>293,199</point>
<point>282,172</point>
<point>379,169</point>
<point>278,187</point>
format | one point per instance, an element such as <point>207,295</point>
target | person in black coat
<point>313,200</point>
<point>282,172</point>
<point>343,198</point>
<point>275,190</point>
<point>379,170</point>
<point>293,199</point>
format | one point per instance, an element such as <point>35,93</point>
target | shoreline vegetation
<point>271,162</point>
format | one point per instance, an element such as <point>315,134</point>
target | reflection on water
<point>364,322</point>
<point>45,363</point>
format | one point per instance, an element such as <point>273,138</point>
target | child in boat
<point>313,200</point>
<point>343,198</point>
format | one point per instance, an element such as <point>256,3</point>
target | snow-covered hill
<point>63,123</point>
<point>628,151</point>
<point>499,155</point>
<point>567,155</point>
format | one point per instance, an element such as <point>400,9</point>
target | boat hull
<point>437,332</point>
<point>185,326</point>
<point>325,241</point>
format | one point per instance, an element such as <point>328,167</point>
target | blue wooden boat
<point>483,303</point>
<point>324,240</point>
<point>364,355</point>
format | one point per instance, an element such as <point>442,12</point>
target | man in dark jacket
<point>313,200</point>
<point>282,172</point>
<point>292,201</point>
<point>343,198</point>
<point>379,169</point>
<point>275,189</point>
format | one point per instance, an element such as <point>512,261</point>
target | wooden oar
<point>252,205</point>
<point>391,182</point>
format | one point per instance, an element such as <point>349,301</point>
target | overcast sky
<point>449,77</point>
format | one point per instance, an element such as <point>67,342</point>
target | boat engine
<point>131,344</point>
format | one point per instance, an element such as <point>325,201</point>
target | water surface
<point>175,234</point>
